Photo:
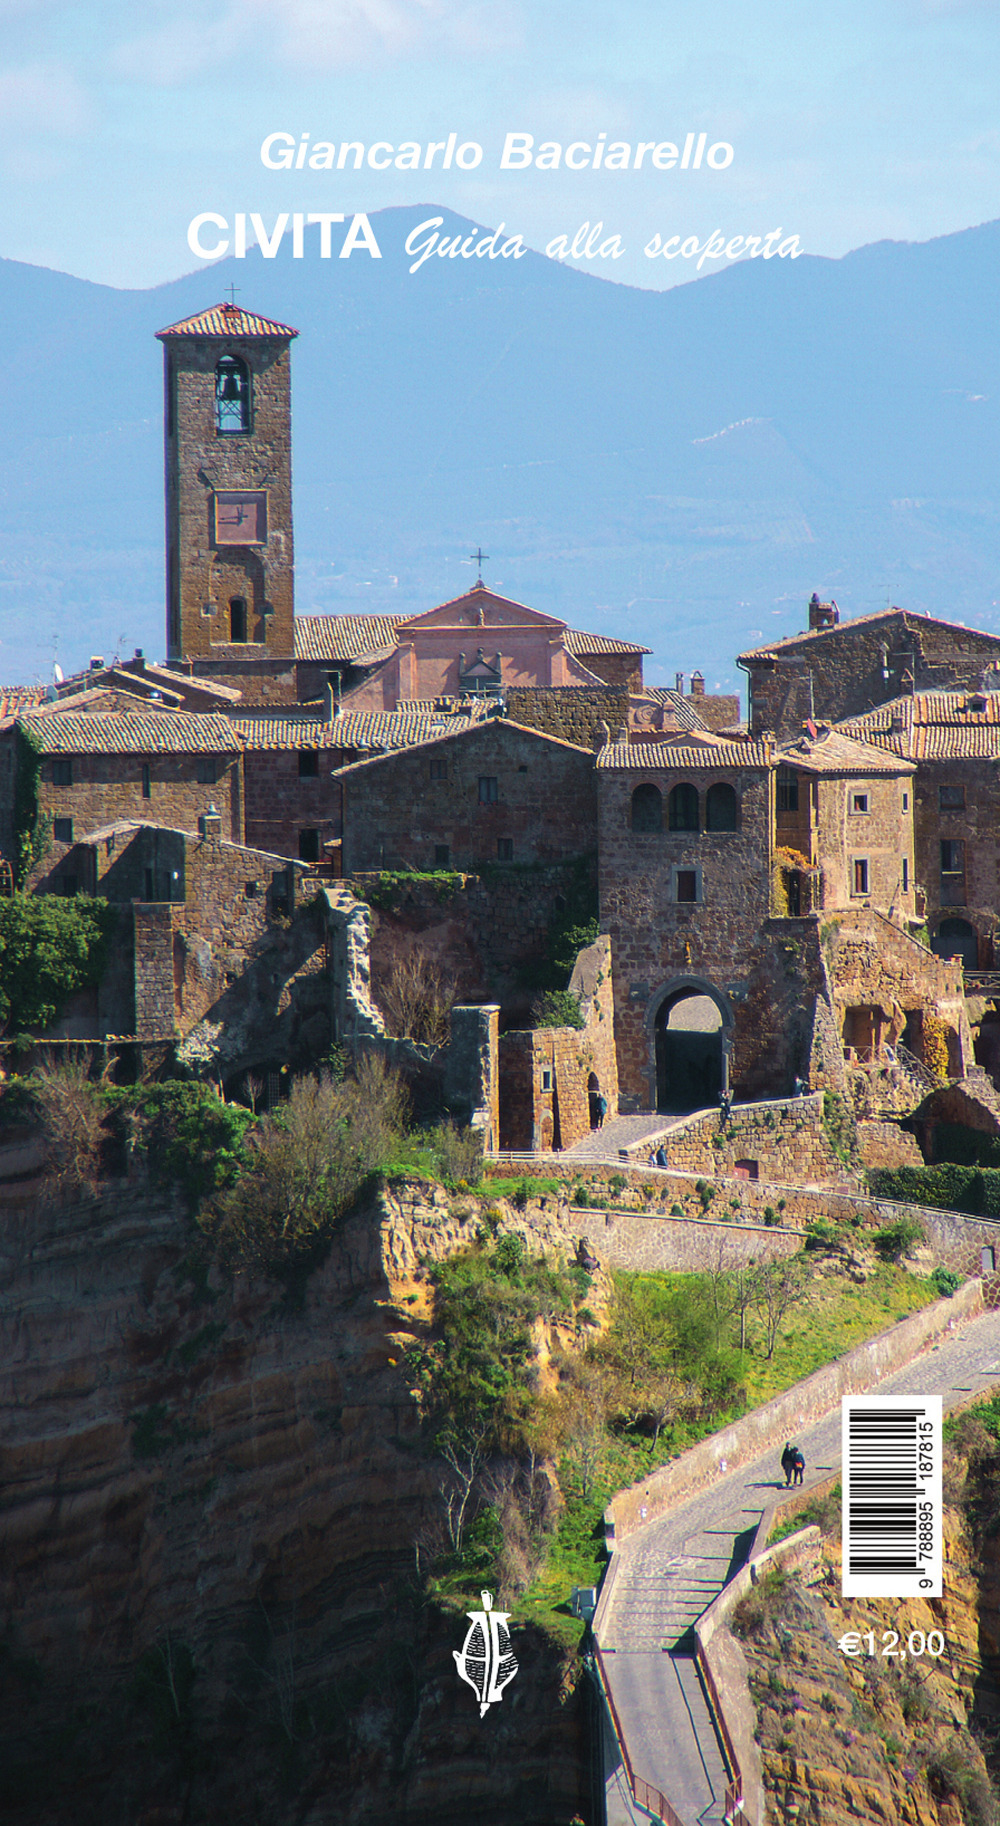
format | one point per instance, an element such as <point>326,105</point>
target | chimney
<point>210,823</point>
<point>697,685</point>
<point>822,614</point>
<point>139,662</point>
<point>329,708</point>
<point>96,662</point>
<point>679,682</point>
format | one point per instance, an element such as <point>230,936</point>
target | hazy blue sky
<point>849,123</point>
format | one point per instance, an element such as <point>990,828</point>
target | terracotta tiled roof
<point>353,729</point>
<point>934,725</point>
<point>164,678</point>
<point>226,320</point>
<point>681,756</point>
<point>580,642</point>
<point>344,636</point>
<point>15,698</point>
<point>674,700</point>
<point>133,732</point>
<point>833,752</point>
<point>455,729</point>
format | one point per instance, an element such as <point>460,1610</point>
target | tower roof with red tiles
<point>226,321</point>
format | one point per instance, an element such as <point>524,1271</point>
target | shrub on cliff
<point>50,948</point>
<point>190,1137</point>
<point>305,1163</point>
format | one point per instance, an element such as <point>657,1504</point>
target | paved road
<point>621,1132</point>
<point>672,1568</point>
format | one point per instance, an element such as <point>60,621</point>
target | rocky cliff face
<point>872,1737</point>
<point>211,1495</point>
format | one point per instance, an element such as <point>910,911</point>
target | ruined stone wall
<point>398,814</point>
<point>644,1245</point>
<point>548,1074</point>
<point>784,1140</point>
<point>873,964</point>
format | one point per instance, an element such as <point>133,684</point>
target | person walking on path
<point>788,1461</point>
<point>798,1466</point>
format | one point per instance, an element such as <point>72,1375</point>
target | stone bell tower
<point>228,434</point>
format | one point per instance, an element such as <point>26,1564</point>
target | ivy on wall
<point>49,949</point>
<point>31,829</point>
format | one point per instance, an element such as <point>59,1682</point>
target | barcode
<point>892,1496</point>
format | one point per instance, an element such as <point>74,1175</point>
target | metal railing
<point>643,1793</point>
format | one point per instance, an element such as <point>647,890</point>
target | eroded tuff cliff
<point>877,1737</point>
<point>211,1493</point>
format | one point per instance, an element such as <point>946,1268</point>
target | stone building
<point>95,767</point>
<point>551,1078</point>
<point>843,826</point>
<point>837,670</point>
<point>492,794</point>
<point>952,738</point>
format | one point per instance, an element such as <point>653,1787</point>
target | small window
<point>906,802</point>
<point>505,849</point>
<point>859,802</point>
<point>953,872</point>
<point>546,1080</point>
<point>147,781</point>
<point>62,830</point>
<point>439,768</point>
<point>952,798</point>
<point>683,807</point>
<point>251,889</point>
<point>308,763</point>
<point>208,771</point>
<point>687,887</point>
<point>442,855</point>
<point>860,875</point>
<point>62,770</point>
<point>906,875</point>
<point>237,621</point>
<point>489,791</point>
<point>308,846</point>
<point>788,789</point>
<point>647,808</point>
<point>232,395</point>
<point>523,768</point>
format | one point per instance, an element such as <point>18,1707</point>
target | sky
<point>864,121</point>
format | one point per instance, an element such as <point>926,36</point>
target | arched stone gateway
<point>689,1024</point>
<point>957,938</point>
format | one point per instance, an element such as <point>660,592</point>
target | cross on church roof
<point>477,557</point>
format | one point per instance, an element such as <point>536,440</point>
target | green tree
<point>50,948</point>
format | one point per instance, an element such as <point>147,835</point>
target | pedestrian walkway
<point>670,1570</point>
<point>621,1132</point>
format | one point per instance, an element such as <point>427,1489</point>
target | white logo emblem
<point>486,1661</point>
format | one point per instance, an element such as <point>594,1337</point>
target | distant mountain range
<point>679,467</point>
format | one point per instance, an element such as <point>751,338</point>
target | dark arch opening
<point>232,395</point>
<point>689,1040</point>
<point>647,808</point>
<point>721,807</point>
<point>238,620</point>
<point>956,938</point>
<point>683,807</point>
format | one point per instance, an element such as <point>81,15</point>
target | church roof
<point>345,637</point>
<point>227,320</point>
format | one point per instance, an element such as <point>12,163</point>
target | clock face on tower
<point>240,516</point>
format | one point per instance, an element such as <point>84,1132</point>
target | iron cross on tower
<point>478,557</point>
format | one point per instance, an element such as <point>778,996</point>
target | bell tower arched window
<point>232,395</point>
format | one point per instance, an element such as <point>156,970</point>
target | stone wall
<point>572,712</point>
<point>783,1140</point>
<point>848,668</point>
<point>878,970</point>
<point>550,1076</point>
<point>281,803</point>
<point>492,794</point>
<point>681,1245</point>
